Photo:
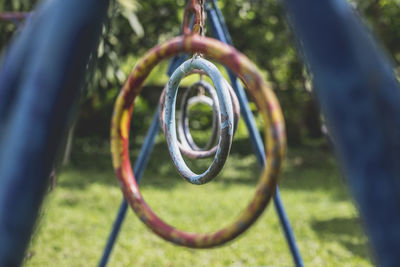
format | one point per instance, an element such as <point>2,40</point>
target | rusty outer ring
<point>268,107</point>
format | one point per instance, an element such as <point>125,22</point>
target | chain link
<point>195,7</point>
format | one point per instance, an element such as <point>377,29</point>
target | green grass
<point>78,214</point>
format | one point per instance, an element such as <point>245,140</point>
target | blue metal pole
<point>359,96</point>
<point>123,207</point>
<point>138,170</point>
<point>40,76</point>
<point>220,32</point>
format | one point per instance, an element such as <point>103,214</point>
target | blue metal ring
<point>227,120</point>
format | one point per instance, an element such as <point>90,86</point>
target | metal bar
<point>112,237</point>
<point>219,31</point>
<point>222,23</point>
<point>359,96</point>
<point>138,170</point>
<point>44,69</point>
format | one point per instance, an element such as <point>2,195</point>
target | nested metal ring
<point>183,123</point>
<point>184,147</point>
<point>268,107</point>
<point>226,123</point>
<point>184,134</point>
<point>186,143</point>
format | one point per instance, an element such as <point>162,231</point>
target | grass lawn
<point>78,214</point>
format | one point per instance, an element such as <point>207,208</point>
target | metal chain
<point>197,8</point>
<point>202,17</point>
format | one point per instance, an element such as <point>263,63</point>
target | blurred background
<point>79,210</point>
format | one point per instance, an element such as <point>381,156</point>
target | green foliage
<point>7,29</point>
<point>128,10</point>
<point>258,28</point>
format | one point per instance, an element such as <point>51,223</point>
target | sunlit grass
<point>79,214</point>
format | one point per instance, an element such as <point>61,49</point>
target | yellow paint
<point>187,44</point>
<point>162,51</point>
<point>115,140</point>
<point>151,59</point>
<point>217,50</point>
<point>124,125</point>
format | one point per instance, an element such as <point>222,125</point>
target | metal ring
<point>274,131</point>
<point>226,117</point>
<point>184,133</point>
<point>183,123</point>
<point>185,148</point>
